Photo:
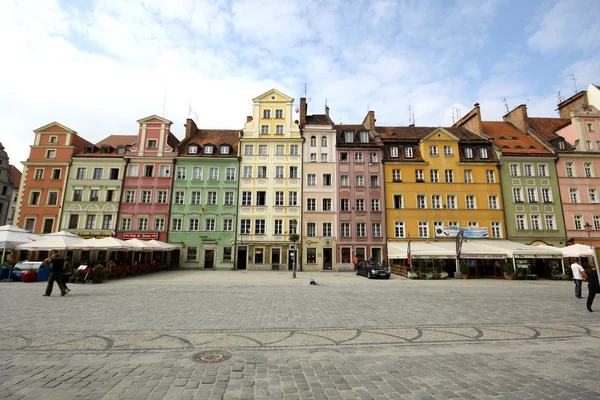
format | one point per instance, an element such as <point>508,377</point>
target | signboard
<point>140,236</point>
<point>471,232</point>
<point>522,263</point>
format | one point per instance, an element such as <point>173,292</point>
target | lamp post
<point>294,238</point>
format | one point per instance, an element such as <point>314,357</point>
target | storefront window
<point>192,253</point>
<point>346,255</point>
<point>227,254</point>
<point>311,255</point>
<point>259,256</point>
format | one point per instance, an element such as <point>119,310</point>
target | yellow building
<point>438,180</point>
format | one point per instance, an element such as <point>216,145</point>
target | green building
<point>204,199</point>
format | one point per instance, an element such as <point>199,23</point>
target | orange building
<point>45,176</point>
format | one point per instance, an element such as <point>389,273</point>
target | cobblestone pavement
<point>346,338</point>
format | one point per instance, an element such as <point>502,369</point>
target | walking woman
<point>593,286</point>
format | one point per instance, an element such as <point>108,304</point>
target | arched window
<point>324,141</point>
<point>313,141</point>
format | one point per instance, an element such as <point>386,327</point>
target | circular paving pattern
<point>211,356</point>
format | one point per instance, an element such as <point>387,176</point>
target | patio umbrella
<point>577,250</point>
<point>107,243</point>
<point>11,237</point>
<point>55,241</point>
<point>163,245</point>
<point>142,245</point>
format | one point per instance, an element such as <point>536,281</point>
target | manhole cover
<point>211,356</point>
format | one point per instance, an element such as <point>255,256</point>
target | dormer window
<point>88,149</point>
<point>348,137</point>
<point>120,149</point>
<point>193,149</point>
<point>54,139</point>
<point>483,153</point>
<point>105,149</point>
<point>500,138</point>
<point>224,149</point>
<point>364,137</point>
<point>152,143</point>
<point>513,138</point>
<point>408,152</point>
<point>561,145</point>
<point>518,146</point>
<point>208,149</point>
<point>394,152</point>
<point>468,152</point>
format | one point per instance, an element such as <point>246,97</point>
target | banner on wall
<point>471,232</point>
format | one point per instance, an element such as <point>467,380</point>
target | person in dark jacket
<point>57,269</point>
<point>593,286</point>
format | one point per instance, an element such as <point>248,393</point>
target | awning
<point>418,250</point>
<point>519,250</point>
<point>473,250</point>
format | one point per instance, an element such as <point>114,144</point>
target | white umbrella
<point>164,246</point>
<point>142,245</point>
<point>11,237</point>
<point>577,250</point>
<point>55,241</point>
<point>107,243</point>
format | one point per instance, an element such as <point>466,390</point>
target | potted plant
<point>98,274</point>
<point>30,275</point>
<point>509,270</point>
<point>429,275</point>
<point>464,270</point>
<point>443,275</point>
<point>522,273</point>
<point>412,274</point>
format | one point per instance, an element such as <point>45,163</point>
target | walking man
<point>577,277</point>
<point>593,286</point>
<point>57,269</point>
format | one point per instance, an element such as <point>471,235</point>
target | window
<point>588,145</point>
<point>483,153</point>
<point>587,168</point>
<point>326,229</point>
<point>94,195</point>
<point>471,205</point>
<point>278,113</point>
<point>278,227</point>
<point>348,137</point>
<point>550,222</point>
<point>358,156</point>
<point>259,227</point>
<point>125,224</point>
<point>376,229</point>
<point>496,230</point>
<point>152,143</point>
<point>266,113</point>
<point>148,171</point>
<point>313,141</point>
<point>165,171</point>
<point>192,254</point>
<point>593,195</point>
<point>193,149</point>
<point>543,170</point>
<point>230,174</point>
<point>246,198</point>
<point>34,198</point>
<point>473,223</point>
<point>228,198</point>
<point>120,149</point>
<point>293,198</point>
<point>374,180</point>
<point>90,222</point>
<point>518,195</point>
<point>343,156</point>
<point>293,227</point>
<point>535,222</point>
<point>546,195</point>
<point>279,198</point>
<point>311,229</point>
<point>279,172</point>
<point>364,137</point>
<point>578,219</point>
<point>78,195</point>
<point>194,224</point>
<point>179,197</point>
<point>360,180</point>
<point>398,202</point>
<point>129,196</point>
<point>159,224</point>
<point>433,150</point>
<point>227,225</point>
<point>326,179</point>
<point>261,198</point>
<point>532,195</point>
<point>596,222</point>
<point>408,152</point>
<point>56,173</point>
<point>394,152</point>
<point>423,229</point>
<point>280,150</point>
<point>344,180</point>
<point>375,205</point>
<point>39,174</point>
<point>449,176</point>
<point>419,176</point>
<point>264,129</point>
<point>263,150</point>
<point>52,198</point>
<point>451,201</point>
<point>574,195</point>
<point>213,173</point>
<point>176,224</point>
<point>491,177</point>
<point>107,222</point>
<point>261,172</point>
<point>249,150</point>
<point>211,199</point>
<point>468,176</point>
<point>493,202</point>
<point>421,201</point>
<point>51,154</point>
<point>345,204</point>
<point>247,172</point>
<point>146,195</point>
<point>345,229</point>
<point>520,222</point>
<point>29,224</point>
<point>515,170</point>
<point>293,150</point>
<point>453,223</point>
<point>279,129</point>
<point>245,227</point>
<point>528,169</point>
<point>396,175</point>
<point>468,152</point>
<point>98,172</point>
<point>434,175</point>
<point>327,205</point>
<point>293,173</point>
<point>569,169</point>
<point>373,157</point>
<point>311,179</point>
<point>209,225</point>
<point>73,221</point>
<point>82,172</point>
<point>360,204</point>
<point>590,127</point>
<point>181,171</point>
<point>436,201</point>
<point>399,229</point>
<point>323,141</point>
<point>361,230</point>
<point>447,150</point>
<point>54,139</point>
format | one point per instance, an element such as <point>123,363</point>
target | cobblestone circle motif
<point>211,356</point>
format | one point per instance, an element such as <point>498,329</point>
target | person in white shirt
<point>577,277</point>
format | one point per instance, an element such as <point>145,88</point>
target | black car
<point>372,269</point>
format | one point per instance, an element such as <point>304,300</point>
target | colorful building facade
<point>205,198</point>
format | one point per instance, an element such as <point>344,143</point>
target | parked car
<point>372,269</point>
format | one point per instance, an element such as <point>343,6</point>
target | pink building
<point>144,211</point>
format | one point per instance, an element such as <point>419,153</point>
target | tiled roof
<point>216,137</point>
<point>340,129</point>
<point>412,133</point>
<point>318,119</point>
<point>113,141</point>
<point>513,141</point>
<point>16,176</point>
<point>546,128</point>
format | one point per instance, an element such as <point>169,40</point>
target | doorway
<point>242,256</point>
<point>327,259</point>
<point>275,258</point>
<point>376,254</point>
<point>209,259</point>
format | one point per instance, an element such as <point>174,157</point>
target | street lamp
<point>588,229</point>
<point>294,238</point>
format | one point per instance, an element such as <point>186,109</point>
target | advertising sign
<point>128,235</point>
<point>471,232</point>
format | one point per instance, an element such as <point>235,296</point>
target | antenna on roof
<point>574,82</point>
<point>304,90</point>
<point>506,106</point>
<point>559,96</point>
<point>192,112</point>
<point>455,115</point>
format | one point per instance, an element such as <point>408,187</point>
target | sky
<point>97,66</point>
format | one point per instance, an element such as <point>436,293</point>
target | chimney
<point>327,111</point>
<point>472,120</point>
<point>369,121</point>
<point>190,128</point>
<point>249,118</point>
<point>518,117</point>
<point>303,111</point>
